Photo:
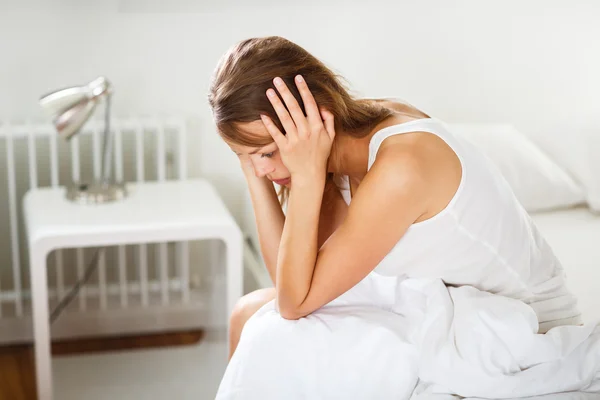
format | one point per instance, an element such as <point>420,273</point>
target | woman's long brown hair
<point>246,71</point>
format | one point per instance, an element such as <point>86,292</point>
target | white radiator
<point>127,293</point>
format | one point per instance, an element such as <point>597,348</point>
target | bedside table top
<point>152,212</point>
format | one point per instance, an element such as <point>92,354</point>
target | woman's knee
<point>247,305</point>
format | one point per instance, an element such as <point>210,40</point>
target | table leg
<point>41,326</point>
<point>235,272</point>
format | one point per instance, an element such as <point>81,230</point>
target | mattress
<point>574,235</point>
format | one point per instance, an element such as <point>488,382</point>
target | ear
<point>328,121</point>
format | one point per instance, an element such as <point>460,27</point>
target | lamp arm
<point>107,145</point>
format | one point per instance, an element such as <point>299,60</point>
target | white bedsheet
<point>376,340</point>
<point>414,339</point>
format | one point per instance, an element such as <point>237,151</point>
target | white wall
<point>533,63</point>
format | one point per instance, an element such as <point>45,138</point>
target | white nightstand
<point>153,212</point>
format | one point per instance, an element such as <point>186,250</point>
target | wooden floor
<point>17,381</point>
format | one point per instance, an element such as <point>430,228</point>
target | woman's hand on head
<point>306,146</point>
<point>246,164</point>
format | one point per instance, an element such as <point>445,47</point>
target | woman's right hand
<point>254,181</point>
<point>247,167</point>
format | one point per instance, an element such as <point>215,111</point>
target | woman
<point>371,186</point>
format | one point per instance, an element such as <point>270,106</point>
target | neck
<point>350,155</point>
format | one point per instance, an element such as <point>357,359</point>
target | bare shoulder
<point>422,163</point>
<point>401,164</point>
<point>418,151</point>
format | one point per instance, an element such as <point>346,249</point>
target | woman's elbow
<point>289,311</point>
<point>290,315</point>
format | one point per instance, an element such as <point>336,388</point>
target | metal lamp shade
<point>69,122</point>
<point>72,107</point>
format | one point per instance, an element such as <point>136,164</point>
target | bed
<point>324,355</point>
<point>574,235</point>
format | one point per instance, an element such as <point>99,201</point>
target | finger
<point>292,105</point>
<point>310,105</point>
<point>286,120</point>
<point>328,122</point>
<point>277,136</point>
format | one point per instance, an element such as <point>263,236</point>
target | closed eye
<point>268,155</point>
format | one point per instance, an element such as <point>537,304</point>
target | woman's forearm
<point>299,245</point>
<point>269,220</point>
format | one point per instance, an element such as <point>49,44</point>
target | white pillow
<point>538,182</point>
<point>578,151</point>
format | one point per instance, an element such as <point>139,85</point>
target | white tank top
<point>483,238</point>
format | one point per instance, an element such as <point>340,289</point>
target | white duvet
<point>396,338</point>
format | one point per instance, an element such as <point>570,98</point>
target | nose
<point>262,167</point>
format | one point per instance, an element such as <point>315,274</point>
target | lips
<point>282,182</point>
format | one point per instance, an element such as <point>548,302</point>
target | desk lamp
<point>71,108</point>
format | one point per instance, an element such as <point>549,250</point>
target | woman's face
<point>265,160</point>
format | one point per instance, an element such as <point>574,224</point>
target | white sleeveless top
<point>483,238</point>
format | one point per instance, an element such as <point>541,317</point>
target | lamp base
<point>96,193</point>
